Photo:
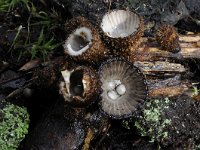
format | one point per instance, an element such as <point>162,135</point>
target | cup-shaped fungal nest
<point>123,88</point>
<point>168,38</point>
<point>80,87</point>
<point>83,41</point>
<point>122,30</point>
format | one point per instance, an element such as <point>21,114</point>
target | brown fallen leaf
<point>30,65</point>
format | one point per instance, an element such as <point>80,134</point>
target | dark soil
<point>185,123</point>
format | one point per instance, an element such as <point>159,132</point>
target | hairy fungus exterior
<point>83,41</point>
<point>122,31</point>
<point>80,86</point>
<point>168,38</point>
<point>123,88</point>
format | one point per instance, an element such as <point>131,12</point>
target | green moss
<point>14,123</point>
<point>152,123</point>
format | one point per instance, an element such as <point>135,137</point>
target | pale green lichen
<point>14,123</point>
<point>151,123</point>
<point>125,124</point>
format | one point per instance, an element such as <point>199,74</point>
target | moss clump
<point>14,123</point>
<point>151,123</point>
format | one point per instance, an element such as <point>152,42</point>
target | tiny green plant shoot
<point>8,5</point>
<point>46,19</point>
<point>16,37</point>
<point>42,48</point>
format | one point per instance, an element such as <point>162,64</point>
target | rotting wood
<point>150,50</point>
<point>189,38</point>
<point>167,91</point>
<point>159,67</point>
<point>164,78</point>
<point>155,83</point>
<point>167,87</point>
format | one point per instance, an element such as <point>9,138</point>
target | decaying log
<point>168,87</point>
<point>151,51</point>
<point>164,78</point>
<point>159,67</point>
<point>167,91</point>
<point>189,38</point>
<point>157,83</point>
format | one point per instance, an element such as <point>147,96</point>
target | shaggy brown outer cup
<point>168,38</point>
<point>83,41</point>
<point>80,87</point>
<point>122,31</point>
